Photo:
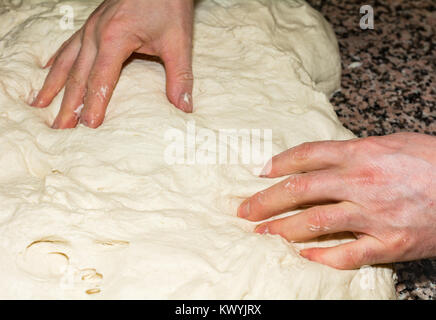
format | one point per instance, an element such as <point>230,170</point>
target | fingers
<point>61,48</point>
<point>365,251</point>
<point>177,57</point>
<point>75,87</point>
<point>291,193</point>
<point>306,157</point>
<point>102,81</point>
<point>315,222</point>
<point>58,74</point>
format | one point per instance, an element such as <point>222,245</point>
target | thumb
<point>177,58</point>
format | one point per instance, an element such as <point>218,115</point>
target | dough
<point>102,214</point>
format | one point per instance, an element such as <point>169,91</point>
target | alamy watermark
<point>367,20</point>
<point>67,20</point>
<point>205,146</point>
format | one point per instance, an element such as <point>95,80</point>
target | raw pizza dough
<point>100,214</point>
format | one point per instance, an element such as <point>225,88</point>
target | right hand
<point>89,63</point>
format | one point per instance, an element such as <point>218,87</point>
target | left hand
<point>89,63</point>
<point>381,188</point>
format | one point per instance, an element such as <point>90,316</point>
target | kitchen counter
<point>388,86</point>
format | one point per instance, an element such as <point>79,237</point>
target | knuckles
<point>325,220</point>
<point>357,259</point>
<point>185,75</point>
<point>302,152</point>
<point>111,33</point>
<point>297,184</point>
<point>73,82</point>
<point>401,242</point>
<point>319,221</point>
<point>369,176</point>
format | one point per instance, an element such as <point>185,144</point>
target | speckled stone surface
<point>389,85</point>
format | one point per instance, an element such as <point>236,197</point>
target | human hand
<point>89,63</point>
<point>381,188</point>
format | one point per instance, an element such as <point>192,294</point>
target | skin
<point>381,188</point>
<point>89,63</point>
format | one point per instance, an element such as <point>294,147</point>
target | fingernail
<point>262,229</point>
<point>305,253</point>
<point>55,124</point>
<point>244,210</point>
<point>34,101</point>
<point>185,102</point>
<point>37,102</point>
<point>266,170</point>
<point>46,65</point>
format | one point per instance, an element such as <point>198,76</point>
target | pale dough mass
<point>99,214</point>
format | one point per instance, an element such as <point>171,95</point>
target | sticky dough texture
<point>98,214</point>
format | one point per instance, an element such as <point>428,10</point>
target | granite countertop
<point>388,86</point>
